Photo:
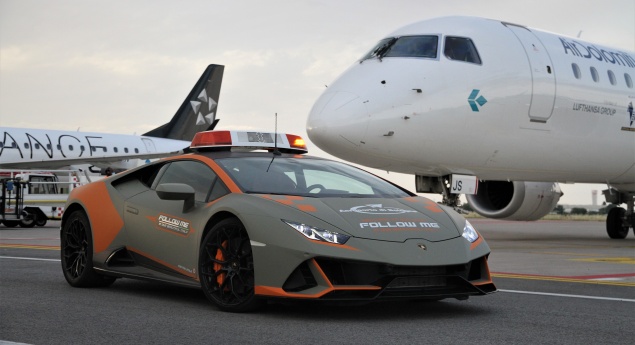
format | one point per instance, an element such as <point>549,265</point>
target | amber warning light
<point>246,140</point>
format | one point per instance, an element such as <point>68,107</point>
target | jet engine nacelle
<point>515,200</point>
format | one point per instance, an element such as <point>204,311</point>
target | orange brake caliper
<point>220,257</point>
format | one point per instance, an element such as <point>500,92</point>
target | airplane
<point>497,111</point>
<point>25,148</point>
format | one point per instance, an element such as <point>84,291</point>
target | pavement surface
<point>560,282</point>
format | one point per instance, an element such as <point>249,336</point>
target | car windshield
<point>306,177</point>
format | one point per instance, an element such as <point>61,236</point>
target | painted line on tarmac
<point>615,260</point>
<point>29,246</point>
<point>562,279</point>
<point>33,259</point>
<point>571,296</point>
<point>29,238</point>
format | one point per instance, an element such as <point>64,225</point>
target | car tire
<point>615,227</point>
<point>226,267</point>
<point>77,253</point>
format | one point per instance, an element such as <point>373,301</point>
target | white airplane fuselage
<point>22,148</point>
<point>530,110</point>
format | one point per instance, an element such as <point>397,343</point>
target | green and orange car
<point>248,218</point>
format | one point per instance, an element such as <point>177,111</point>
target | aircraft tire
<point>615,227</point>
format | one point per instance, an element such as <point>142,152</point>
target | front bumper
<point>331,279</point>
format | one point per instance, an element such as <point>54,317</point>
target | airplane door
<point>542,74</point>
<point>149,145</point>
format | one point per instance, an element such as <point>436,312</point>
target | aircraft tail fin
<point>198,111</point>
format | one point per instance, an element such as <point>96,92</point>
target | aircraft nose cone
<point>331,117</point>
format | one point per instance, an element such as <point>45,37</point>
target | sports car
<point>248,217</point>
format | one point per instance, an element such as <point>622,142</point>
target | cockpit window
<point>461,49</point>
<point>405,46</point>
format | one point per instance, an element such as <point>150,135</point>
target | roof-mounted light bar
<point>247,140</point>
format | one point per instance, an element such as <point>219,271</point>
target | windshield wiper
<point>381,51</point>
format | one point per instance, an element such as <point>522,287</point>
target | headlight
<point>469,233</point>
<point>317,233</point>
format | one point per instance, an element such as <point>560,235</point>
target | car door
<point>161,233</point>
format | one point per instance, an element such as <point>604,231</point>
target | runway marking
<point>571,296</point>
<point>29,246</point>
<point>626,260</point>
<point>605,276</point>
<point>574,254</point>
<point>561,279</point>
<point>29,238</point>
<point>33,259</point>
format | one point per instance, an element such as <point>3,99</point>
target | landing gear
<point>439,185</point>
<point>619,220</point>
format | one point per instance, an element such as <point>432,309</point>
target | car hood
<point>394,220</point>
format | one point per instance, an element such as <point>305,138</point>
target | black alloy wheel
<point>77,253</point>
<point>226,267</point>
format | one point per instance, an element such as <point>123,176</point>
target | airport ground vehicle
<point>39,195</point>
<point>11,200</point>
<point>251,226</point>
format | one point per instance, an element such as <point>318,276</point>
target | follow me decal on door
<point>168,223</point>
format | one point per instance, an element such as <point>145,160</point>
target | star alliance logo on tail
<point>204,109</point>
<point>473,101</point>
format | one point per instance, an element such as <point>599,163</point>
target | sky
<point>126,66</point>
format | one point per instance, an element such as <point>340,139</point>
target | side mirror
<point>177,191</point>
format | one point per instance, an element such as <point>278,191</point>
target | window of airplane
<point>136,150</point>
<point>37,146</point>
<point>595,75</point>
<point>48,146</point>
<point>576,71</point>
<point>461,49</point>
<point>81,148</point>
<point>59,147</point>
<point>629,81</point>
<point>125,149</point>
<point>26,145</point>
<point>115,149</point>
<point>70,147</point>
<point>405,46</point>
<point>612,78</point>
